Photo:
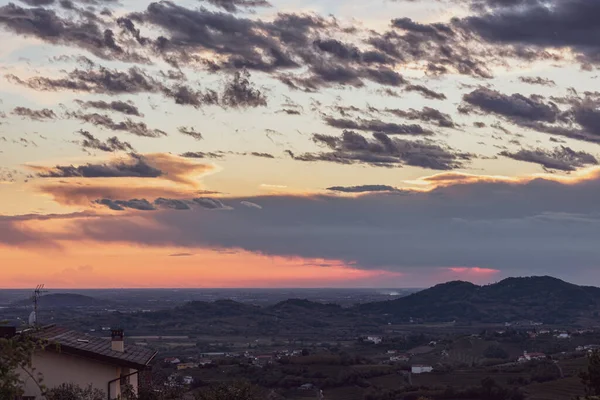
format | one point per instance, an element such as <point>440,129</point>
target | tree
<point>231,391</point>
<point>591,377</point>
<point>16,359</point>
<point>69,391</point>
<point>495,351</point>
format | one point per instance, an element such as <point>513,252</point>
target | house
<point>392,351</point>
<point>73,357</point>
<point>374,339</point>
<point>204,361</point>
<point>531,356</point>
<point>187,380</point>
<point>400,358</point>
<point>421,369</point>
<point>262,360</point>
<point>563,336</point>
<point>172,360</point>
<point>189,365</point>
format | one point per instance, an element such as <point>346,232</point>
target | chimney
<point>117,340</point>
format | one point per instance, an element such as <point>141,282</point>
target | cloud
<point>210,204</point>
<point>111,144</point>
<point>389,128</point>
<point>36,115</point>
<point>120,205</point>
<point>136,166</point>
<point>516,226</point>
<point>515,106</point>
<point>201,154</point>
<point>249,204</point>
<point>537,80</point>
<point>552,24</point>
<point>239,92</point>
<point>363,189</point>
<point>127,108</point>
<point>425,92</point>
<point>383,151</point>
<point>427,114</point>
<point>190,132</point>
<point>561,158</point>
<point>129,126</point>
<point>234,5</point>
<point>47,25</point>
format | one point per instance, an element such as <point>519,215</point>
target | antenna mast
<point>37,293</point>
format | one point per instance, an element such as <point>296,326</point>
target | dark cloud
<point>561,158</point>
<point>537,80</point>
<point>363,189</point>
<point>200,154</point>
<point>181,255</point>
<point>427,114</point>
<point>120,205</point>
<point>127,108</point>
<point>129,126</point>
<point>37,115</point>
<point>389,128</point>
<point>261,155</point>
<point>97,80</point>
<point>111,144</point>
<point>239,92</point>
<point>290,111</point>
<point>185,95</point>
<point>552,24</point>
<point>479,124</point>
<point>172,204</point>
<point>518,227</point>
<point>38,3</point>
<point>515,106</point>
<point>189,131</point>
<point>47,25</point>
<point>209,203</point>
<point>383,151</point>
<point>234,5</point>
<point>425,92</point>
<point>136,167</point>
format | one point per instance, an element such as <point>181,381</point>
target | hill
<point>544,299</point>
<point>63,300</point>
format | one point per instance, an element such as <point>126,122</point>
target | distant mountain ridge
<point>539,298</point>
<point>62,300</point>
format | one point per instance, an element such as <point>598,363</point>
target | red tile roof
<point>77,343</point>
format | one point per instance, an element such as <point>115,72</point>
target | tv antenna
<point>37,293</point>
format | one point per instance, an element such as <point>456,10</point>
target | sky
<point>287,143</point>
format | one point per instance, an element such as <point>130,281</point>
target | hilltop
<point>541,298</point>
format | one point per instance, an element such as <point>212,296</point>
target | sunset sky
<point>288,143</point>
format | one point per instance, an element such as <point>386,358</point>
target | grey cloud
<point>425,92</point>
<point>37,115</point>
<point>234,5</point>
<point>537,80</point>
<point>518,228</point>
<point>239,92</point>
<point>48,26</point>
<point>173,204</point>
<point>127,108</point>
<point>129,126</point>
<point>120,205</point>
<point>209,203</point>
<point>514,106</point>
<point>561,158</point>
<point>363,189</point>
<point>200,154</point>
<point>190,132</point>
<point>427,114</point>
<point>383,151</point>
<point>389,128</point>
<point>553,24</point>
<point>262,155</point>
<point>111,144</point>
<point>137,167</point>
